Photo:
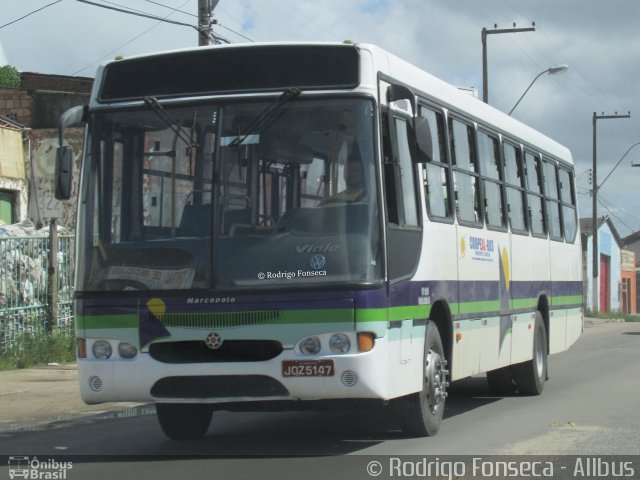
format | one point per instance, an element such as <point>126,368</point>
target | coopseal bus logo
<point>33,468</point>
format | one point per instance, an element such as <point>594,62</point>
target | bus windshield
<point>236,194</point>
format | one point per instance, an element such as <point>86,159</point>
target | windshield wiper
<point>154,104</point>
<point>270,114</point>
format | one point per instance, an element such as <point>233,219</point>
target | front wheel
<point>531,376</point>
<point>420,413</point>
<point>180,421</point>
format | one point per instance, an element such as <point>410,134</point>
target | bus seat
<point>195,221</point>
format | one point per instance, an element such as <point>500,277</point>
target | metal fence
<point>30,301</point>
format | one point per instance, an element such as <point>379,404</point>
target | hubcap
<point>436,379</point>
<point>539,353</point>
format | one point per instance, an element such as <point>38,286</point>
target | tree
<point>9,77</point>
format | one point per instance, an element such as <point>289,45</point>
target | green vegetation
<point>9,77</point>
<point>615,315</point>
<point>40,349</point>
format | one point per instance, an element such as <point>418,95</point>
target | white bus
<point>227,258</point>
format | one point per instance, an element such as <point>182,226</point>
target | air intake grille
<point>229,351</point>
<point>219,320</point>
<point>218,386</point>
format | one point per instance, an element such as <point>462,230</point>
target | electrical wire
<point>126,43</point>
<point>28,14</point>
<point>144,15</point>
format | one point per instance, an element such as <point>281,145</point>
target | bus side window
<point>466,180</point>
<point>389,177</point>
<point>436,185</point>
<point>553,199</point>
<point>489,159</point>
<point>515,184</point>
<point>568,198</point>
<point>534,194</point>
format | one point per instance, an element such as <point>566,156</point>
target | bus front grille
<point>218,386</point>
<point>219,320</point>
<point>229,351</point>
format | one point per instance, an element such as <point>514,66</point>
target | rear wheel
<point>531,376</point>
<point>420,414</point>
<point>181,421</point>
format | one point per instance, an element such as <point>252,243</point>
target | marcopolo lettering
<point>210,300</point>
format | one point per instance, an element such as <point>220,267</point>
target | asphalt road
<point>589,407</point>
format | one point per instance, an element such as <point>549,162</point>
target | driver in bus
<point>356,187</point>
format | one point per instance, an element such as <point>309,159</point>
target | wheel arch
<point>440,314</point>
<point>543,308</point>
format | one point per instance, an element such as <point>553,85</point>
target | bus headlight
<point>102,349</point>
<point>310,346</point>
<point>126,350</point>
<point>339,343</point>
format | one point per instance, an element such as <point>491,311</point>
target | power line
<point>145,15</point>
<point>171,8</point>
<point>28,14</point>
<point>127,42</point>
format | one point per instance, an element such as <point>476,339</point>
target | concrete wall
<point>43,205</point>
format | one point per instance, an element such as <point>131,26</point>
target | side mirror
<point>64,153</point>
<point>63,172</point>
<point>400,92</point>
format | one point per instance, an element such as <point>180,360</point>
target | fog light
<point>339,343</point>
<point>126,350</point>
<point>310,346</point>
<point>101,349</point>
<point>96,384</point>
<point>349,378</point>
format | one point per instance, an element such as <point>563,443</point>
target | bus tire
<point>420,414</point>
<point>531,376</point>
<point>501,381</point>
<point>180,421</point>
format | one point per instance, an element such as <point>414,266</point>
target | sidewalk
<point>48,397</point>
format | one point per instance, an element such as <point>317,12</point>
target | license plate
<point>307,368</point>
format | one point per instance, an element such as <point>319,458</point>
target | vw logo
<point>317,262</point>
<point>213,341</point>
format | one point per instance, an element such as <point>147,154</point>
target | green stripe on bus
<point>107,321</point>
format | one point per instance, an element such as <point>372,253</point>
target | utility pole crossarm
<point>496,30</point>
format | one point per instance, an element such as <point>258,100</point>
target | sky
<point>599,41</point>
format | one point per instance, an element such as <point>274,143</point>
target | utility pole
<point>594,211</point>
<point>205,21</point>
<point>496,30</point>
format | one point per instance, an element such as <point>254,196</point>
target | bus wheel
<point>531,376</point>
<point>181,421</point>
<point>420,414</point>
<point>501,381</point>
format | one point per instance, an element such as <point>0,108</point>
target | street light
<point>551,71</point>
<point>619,162</point>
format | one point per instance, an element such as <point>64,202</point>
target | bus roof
<point>426,84</point>
<point>451,97</point>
